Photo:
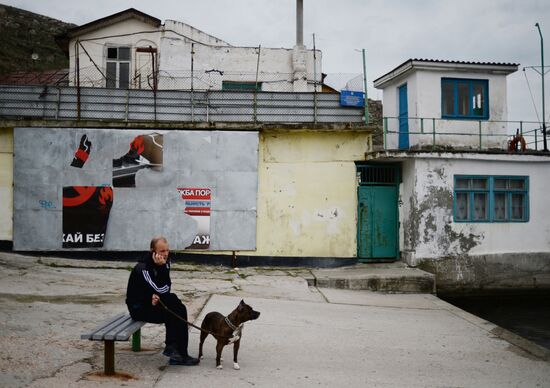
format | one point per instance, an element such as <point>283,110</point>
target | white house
<point>131,49</point>
<point>465,207</point>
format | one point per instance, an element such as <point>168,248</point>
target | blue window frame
<point>464,98</point>
<point>480,198</point>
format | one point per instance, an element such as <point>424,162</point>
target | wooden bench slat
<point>102,326</point>
<point>100,334</point>
<point>123,331</point>
<point>127,332</point>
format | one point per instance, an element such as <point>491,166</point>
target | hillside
<point>24,33</point>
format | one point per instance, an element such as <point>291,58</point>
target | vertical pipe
<point>544,141</point>
<point>256,84</point>
<point>314,83</point>
<point>385,133</point>
<point>192,76</point>
<point>365,86</point>
<point>299,22</point>
<point>433,133</point>
<point>77,50</point>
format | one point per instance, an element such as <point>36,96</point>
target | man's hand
<point>155,299</point>
<point>159,258</point>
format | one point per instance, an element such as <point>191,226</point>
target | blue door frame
<point>403,118</point>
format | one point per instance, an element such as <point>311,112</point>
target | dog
<point>227,330</point>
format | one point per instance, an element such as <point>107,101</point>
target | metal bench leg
<point>136,341</point>
<point>109,358</point>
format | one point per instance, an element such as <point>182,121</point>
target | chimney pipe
<point>299,22</point>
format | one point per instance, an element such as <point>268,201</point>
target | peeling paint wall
<point>474,254</point>
<point>307,200</point>
<point>6,184</point>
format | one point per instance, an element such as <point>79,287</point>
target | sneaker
<point>172,352</point>
<point>187,361</point>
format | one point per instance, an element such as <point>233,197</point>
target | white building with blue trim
<point>471,207</point>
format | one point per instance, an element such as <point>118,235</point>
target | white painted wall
<point>280,69</point>
<point>424,101</point>
<point>135,34</point>
<point>430,190</point>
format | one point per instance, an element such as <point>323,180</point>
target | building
<point>266,176</point>
<point>463,202</point>
<point>131,49</point>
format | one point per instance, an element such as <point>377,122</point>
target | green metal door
<point>377,220</point>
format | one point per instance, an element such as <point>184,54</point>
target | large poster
<point>114,189</point>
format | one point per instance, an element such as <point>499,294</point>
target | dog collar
<point>232,326</point>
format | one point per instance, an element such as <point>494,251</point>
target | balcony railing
<point>437,133</point>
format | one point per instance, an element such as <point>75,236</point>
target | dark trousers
<point>176,330</point>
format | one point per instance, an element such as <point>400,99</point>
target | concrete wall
<point>225,162</point>
<point>6,184</point>
<point>307,203</point>
<point>471,255</point>
<point>424,101</point>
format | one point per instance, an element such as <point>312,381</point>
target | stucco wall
<point>224,162</point>
<point>490,255</point>
<point>6,184</point>
<point>431,231</point>
<point>307,200</point>
<point>424,101</point>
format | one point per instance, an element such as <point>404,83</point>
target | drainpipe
<point>544,140</point>
<point>365,86</point>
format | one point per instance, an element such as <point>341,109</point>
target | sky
<point>390,31</point>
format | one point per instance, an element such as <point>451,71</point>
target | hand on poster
<point>83,152</point>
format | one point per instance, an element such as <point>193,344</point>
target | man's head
<point>159,250</point>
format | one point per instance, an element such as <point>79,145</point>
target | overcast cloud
<point>391,31</point>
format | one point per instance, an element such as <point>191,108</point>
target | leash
<point>193,325</point>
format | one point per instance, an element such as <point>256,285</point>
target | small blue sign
<point>350,98</point>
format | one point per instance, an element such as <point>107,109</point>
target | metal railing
<point>433,132</point>
<point>126,105</point>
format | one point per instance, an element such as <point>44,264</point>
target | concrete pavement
<point>306,336</point>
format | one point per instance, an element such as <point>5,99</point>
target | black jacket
<point>145,280</point>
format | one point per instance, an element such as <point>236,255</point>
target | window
<point>491,199</point>
<point>118,67</point>
<point>464,99</point>
<point>232,85</point>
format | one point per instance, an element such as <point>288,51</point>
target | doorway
<point>377,212</point>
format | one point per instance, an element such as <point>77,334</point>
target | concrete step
<point>389,278</point>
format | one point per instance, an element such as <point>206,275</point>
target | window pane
<point>447,98</point>
<point>112,53</point>
<point>478,100</point>
<point>479,183</point>
<point>501,183</point>
<point>517,184</point>
<point>500,206</point>
<point>518,208</point>
<point>111,75</point>
<point>463,99</point>
<point>480,206</point>
<point>462,183</point>
<point>124,53</point>
<point>124,76</point>
<point>462,206</point>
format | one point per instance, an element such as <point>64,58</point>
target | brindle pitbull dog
<point>227,330</point>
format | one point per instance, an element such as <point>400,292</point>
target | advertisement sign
<point>197,205</point>
<point>351,98</point>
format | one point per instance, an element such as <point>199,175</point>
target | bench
<point>118,328</point>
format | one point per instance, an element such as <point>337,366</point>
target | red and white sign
<point>197,205</point>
